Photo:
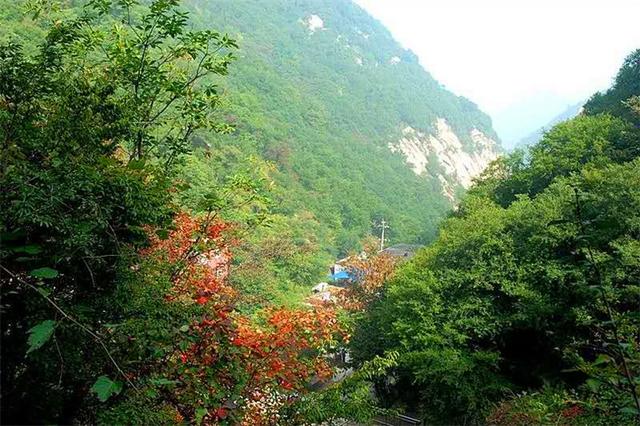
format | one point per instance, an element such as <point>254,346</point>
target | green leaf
<point>624,346</point>
<point>44,291</point>
<point>46,273</point>
<point>593,384</point>
<point>602,359</point>
<point>29,249</point>
<point>629,410</point>
<point>136,164</point>
<point>40,334</point>
<point>105,388</point>
<point>163,234</point>
<point>200,413</point>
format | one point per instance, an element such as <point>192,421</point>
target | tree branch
<point>83,327</point>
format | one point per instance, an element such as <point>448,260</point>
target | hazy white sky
<point>522,61</point>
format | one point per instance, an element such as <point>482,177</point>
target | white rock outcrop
<point>458,166</point>
<point>314,23</point>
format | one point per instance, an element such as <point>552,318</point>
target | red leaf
<point>221,413</point>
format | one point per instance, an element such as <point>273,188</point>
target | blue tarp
<point>342,275</point>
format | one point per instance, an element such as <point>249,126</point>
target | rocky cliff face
<point>443,155</point>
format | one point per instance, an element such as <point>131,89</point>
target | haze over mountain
<point>569,112</point>
<point>520,120</point>
<point>522,62</point>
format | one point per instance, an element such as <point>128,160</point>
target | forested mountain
<point>321,89</point>
<point>176,177</point>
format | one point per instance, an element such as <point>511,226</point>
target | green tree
<point>532,281</point>
<point>91,124</point>
<point>626,85</point>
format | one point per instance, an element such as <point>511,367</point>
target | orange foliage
<point>199,253</point>
<point>276,352</point>
<point>226,353</point>
<point>372,273</point>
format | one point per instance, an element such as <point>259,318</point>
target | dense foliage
<point>316,122</point>
<point>121,298</point>
<point>532,281</point>
<point>303,101</point>
<point>157,230</point>
<point>299,100</point>
<point>203,361</point>
<point>91,125</point>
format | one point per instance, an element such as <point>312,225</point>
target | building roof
<point>402,250</point>
<point>342,275</point>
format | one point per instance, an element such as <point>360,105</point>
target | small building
<point>406,251</point>
<point>342,279</point>
<point>340,265</point>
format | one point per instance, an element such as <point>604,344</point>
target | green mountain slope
<point>321,89</point>
<point>323,103</point>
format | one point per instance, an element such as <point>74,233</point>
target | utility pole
<point>382,225</point>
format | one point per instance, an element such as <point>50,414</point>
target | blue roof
<point>342,275</point>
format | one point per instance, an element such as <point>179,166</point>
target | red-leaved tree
<point>232,367</point>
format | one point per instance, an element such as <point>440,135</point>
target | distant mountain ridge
<point>570,112</point>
